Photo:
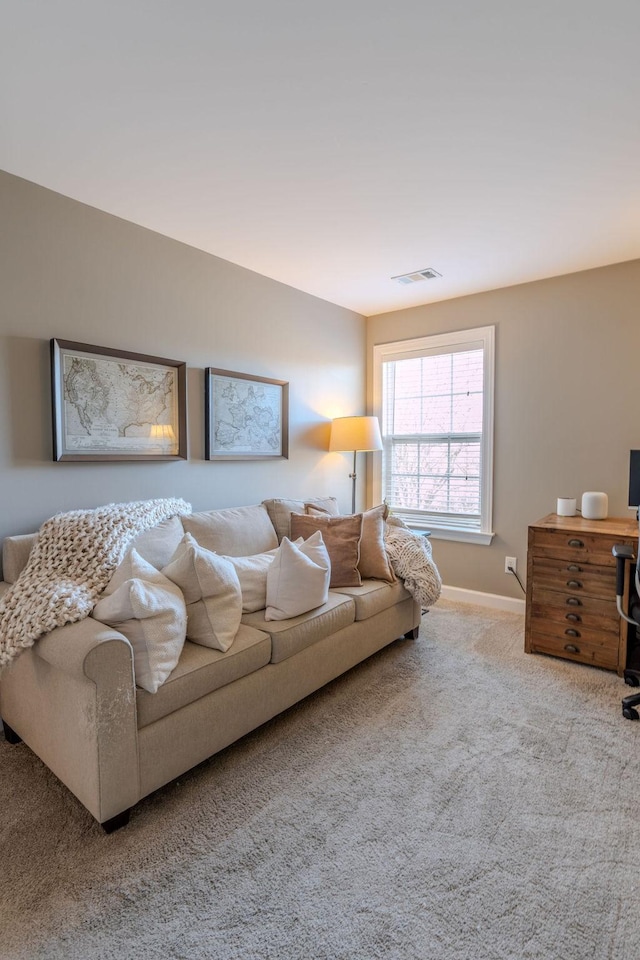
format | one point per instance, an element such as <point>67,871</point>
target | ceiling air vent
<point>427,274</point>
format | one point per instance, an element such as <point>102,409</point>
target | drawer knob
<point>571,648</point>
<point>572,633</point>
<point>574,568</point>
<point>576,543</point>
<point>573,617</point>
<point>573,602</point>
<point>574,584</point>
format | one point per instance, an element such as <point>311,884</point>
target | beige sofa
<point>73,700</point>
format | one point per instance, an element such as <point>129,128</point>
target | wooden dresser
<point>571,590</point>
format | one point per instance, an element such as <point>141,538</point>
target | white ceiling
<point>332,145</point>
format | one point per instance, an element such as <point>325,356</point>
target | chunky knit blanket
<point>69,565</point>
<point>411,560</point>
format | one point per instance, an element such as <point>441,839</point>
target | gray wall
<point>72,272</point>
<point>567,402</point>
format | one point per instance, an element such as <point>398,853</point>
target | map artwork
<point>248,417</point>
<point>118,406</point>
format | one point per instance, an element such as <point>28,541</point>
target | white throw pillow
<point>298,579</point>
<point>252,574</point>
<point>150,611</point>
<point>212,592</point>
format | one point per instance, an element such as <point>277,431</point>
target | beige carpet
<point>452,798</point>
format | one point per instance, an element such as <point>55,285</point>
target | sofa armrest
<point>72,699</point>
<point>77,649</point>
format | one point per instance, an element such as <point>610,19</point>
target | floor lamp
<point>357,434</point>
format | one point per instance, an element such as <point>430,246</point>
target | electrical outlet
<point>510,562</point>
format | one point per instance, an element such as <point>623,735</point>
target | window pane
<point>434,458</point>
<point>434,494</point>
<point>406,416</point>
<point>403,492</point>
<point>467,413</point>
<point>465,496</point>
<point>405,458</point>
<point>465,460</point>
<point>468,371</point>
<point>436,416</point>
<point>408,378</point>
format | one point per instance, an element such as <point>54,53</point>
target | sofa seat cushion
<point>201,670</point>
<point>289,637</point>
<point>374,596</point>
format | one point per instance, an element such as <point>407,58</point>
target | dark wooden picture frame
<point>116,405</point>
<point>246,417</point>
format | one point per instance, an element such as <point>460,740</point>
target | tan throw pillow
<point>298,578</point>
<point>374,563</point>
<point>280,510</point>
<point>341,537</point>
<point>149,610</point>
<point>212,592</point>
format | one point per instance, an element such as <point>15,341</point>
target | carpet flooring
<point>450,799</point>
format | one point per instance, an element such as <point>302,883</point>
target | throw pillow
<point>212,592</point>
<point>341,537</point>
<point>150,611</point>
<point>374,564</point>
<point>298,578</point>
<point>280,511</point>
<point>252,574</point>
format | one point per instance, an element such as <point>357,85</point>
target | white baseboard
<point>512,604</point>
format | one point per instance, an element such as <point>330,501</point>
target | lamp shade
<point>355,433</point>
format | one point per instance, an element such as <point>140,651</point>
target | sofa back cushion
<point>280,511</point>
<point>234,531</point>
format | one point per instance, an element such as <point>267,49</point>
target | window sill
<point>461,536</point>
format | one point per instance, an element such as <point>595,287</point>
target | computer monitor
<point>634,478</point>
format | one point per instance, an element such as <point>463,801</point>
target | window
<point>434,398</point>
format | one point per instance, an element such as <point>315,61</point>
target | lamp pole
<point>353,477</point>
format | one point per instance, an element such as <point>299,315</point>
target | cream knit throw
<point>410,556</point>
<point>69,565</point>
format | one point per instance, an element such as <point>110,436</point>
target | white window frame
<point>479,337</point>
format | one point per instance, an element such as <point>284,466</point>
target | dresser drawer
<point>595,652</point>
<point>588,617</point>
<point>572,546</point>
<point>575,577</point>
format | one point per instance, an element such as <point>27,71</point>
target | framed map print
<point>246,417</point>
<point>113,405</point>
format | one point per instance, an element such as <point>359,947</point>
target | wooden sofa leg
<point>120,820</point>
<point>10,735</point>
<point>412,634</point>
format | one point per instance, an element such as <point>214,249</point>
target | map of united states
<point>110,404</point>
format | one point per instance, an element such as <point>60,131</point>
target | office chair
<point>624,555</point>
